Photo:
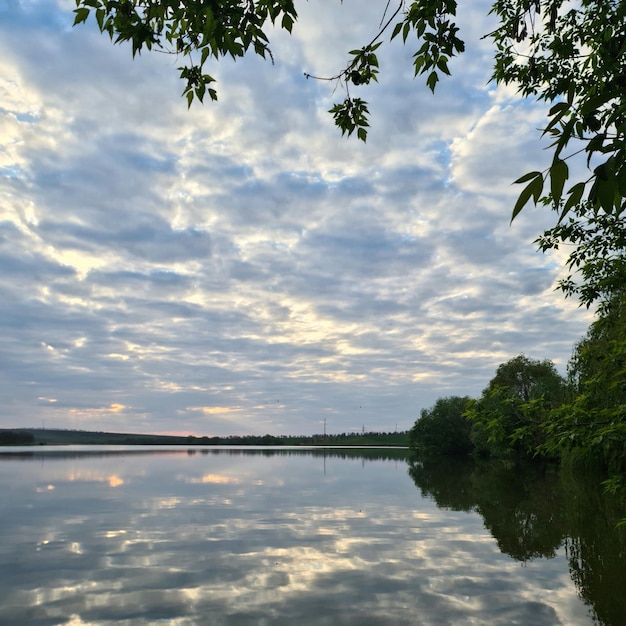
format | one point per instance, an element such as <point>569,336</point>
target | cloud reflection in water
<point>252,539</point>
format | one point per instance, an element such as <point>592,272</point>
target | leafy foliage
<point>529,411</point>
<point>193,29</point>
<point>594,424</point>
<point>351,116</point>
<point>597,260</point>
<point>574,56</point>
<point>432,23</point>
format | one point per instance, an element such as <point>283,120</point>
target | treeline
<point>341,439</point>
<point>16,438</point>
<point>528,410</point>
<point>65,437</point>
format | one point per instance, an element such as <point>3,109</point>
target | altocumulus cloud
<point>240,267</point>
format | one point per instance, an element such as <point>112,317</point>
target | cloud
<point>243,251</point>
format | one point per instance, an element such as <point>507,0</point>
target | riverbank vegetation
<point>529,411</point>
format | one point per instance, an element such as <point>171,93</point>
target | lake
<point>295,537</point>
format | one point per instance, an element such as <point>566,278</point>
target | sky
<point>242,268</point>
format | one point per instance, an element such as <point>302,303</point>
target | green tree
<point>510,417</point>
<point>443,429</point>
<point>593,425</point>
<point>526,379</point>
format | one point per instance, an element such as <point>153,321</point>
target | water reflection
<point>534,510</point>
<point>279,537</point>
<point>75,452</point>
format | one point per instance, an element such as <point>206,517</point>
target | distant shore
<point>45,436</point>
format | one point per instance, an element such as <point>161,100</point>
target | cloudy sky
<point>240,267</point>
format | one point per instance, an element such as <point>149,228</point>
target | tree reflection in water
<point>532,510</point>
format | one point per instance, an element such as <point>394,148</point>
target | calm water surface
<point>265,537</point>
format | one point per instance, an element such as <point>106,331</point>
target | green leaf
<point>527,177</point>
<point>431,81</point>
<point>81,15</point>
<point>442,64</point>
<point>419,65</point>
<point>558,175</point>
<point>556,113</point>
<point>396,30</point>
<point>575,195</point>
<point>405,31</point>
<point>566,135</point>
<point>595,145</point>
<point>603,192</point>
<point>100,15</point>
<point>287,22</point>
<point>532,190</point>
<point>559,107</point>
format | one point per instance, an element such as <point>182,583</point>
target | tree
<point>526,379</point>
<point>593,425</point>
<point>510,417</point>
<point>443,429</point>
